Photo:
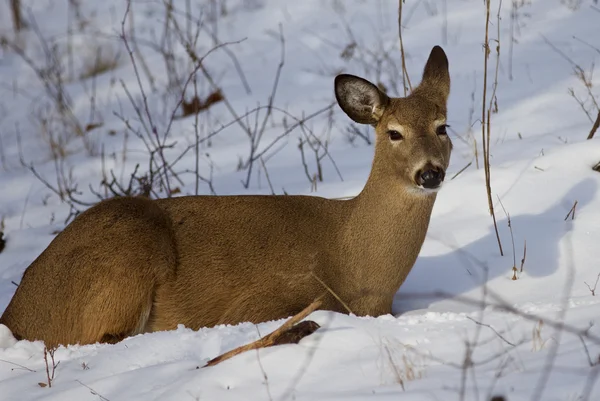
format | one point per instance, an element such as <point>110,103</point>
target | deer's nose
<point>430,177</point>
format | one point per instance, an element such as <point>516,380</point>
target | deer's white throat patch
<point>422,191</point>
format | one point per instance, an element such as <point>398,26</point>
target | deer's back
<point>132,265</point>
<point>249,258</point>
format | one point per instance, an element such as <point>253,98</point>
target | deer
<point>134,265</point>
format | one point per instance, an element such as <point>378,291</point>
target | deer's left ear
<point>436,75</point>
<point>362,101</point>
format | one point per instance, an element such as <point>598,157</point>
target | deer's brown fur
<point>134,265</point>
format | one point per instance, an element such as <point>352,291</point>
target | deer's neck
<point>384,233</point>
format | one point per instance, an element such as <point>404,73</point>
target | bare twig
<point>292,127</point>
<point>461,170</point>
<point>581,104</point>
<point>593,290</point>
<point>49,374</point>
<point>136,50</point>
<point>94,392</point>
<point>16,364</point>
<point>515,25</point>
<point>591,361</point>
<point>152,130</point>
<point>571,212</point>
<point>586,80</point>
<point>595,126</point>
<point>262,369</point>
<point>2,156</point>
<point>405,77</point>
<point>278,335</point>
<point>493,329</point>
<point>264,166</point>
<point>524,256</point>
<point>257,135</point>
<point>333,293</point>
<point>353,131</point>
<point>486,114</point>
<point>511,41</point>
<point>512,238</point>
<point>15,9</point>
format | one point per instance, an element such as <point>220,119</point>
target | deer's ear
<point>436,76</point>
<point>362,101</point>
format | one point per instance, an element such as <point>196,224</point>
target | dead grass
<point>101,61</point>
<point>588,101</point>
<point>538,342</point>
<point>486,112</point>
<point>404,363</point>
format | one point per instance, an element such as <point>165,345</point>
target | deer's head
<point>412,144</point>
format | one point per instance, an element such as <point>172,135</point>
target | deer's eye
<point>395,135</point>
<point>441,130</point>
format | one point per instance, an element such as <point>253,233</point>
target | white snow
<point>541,165</point>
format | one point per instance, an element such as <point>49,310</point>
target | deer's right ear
<point>362,101</point>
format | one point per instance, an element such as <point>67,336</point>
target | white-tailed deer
<point>133,265</point>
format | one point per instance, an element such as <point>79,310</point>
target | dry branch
<point>290,332</point>
<point>571,212</point>
<point>595,126</point>
<point>512,239</point>
<point>461,170</point>
<point>493,329</point>
<point>49,372</point>
<point>593,290</point>
<point>405,77</point>
<point>486,113</point>
<point>93,392</point>
<point>524,255</point>
<point>336,296</point>
<point>18,366</point>
<point>15,9</point>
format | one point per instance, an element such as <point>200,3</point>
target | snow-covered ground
<point>446,339</point>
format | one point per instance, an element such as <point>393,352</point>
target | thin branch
<point>595,126</point>
<point>524,256</point>
<point>591,362</point>
<point>405,77</point>
<point>264,166</point>
<point>512,237</point>
<point>262,369</point>
<point>16,364</point>
<point>94,392</point>
<point>328,288</point>
<point>571,212</point>
<point>493,329</point>
<point>461,170</point>
<point>593,290</point>
<point>272,338</point>
<point>486,113</point>
<point>257,134</point>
